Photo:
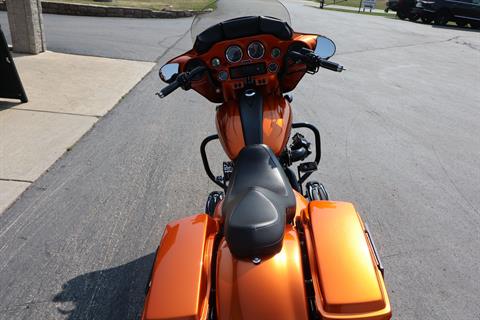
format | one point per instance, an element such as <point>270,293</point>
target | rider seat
<point>258,203</point>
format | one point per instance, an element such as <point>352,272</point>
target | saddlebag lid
<point>180,282</point>
<point>347,280</point>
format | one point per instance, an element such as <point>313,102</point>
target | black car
<point>404,9</point>
<point>462,12</point>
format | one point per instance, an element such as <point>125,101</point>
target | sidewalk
<point>67,95</point>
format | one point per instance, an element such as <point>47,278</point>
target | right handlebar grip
<point>330,65</point>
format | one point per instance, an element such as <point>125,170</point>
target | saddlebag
<point>346,273</point>
<point>180,281</point>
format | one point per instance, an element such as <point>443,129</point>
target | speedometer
<point>234,54</point>
<point>256,50</point>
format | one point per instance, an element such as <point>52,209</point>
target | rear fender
<point>272,289</point>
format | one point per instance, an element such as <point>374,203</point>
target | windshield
<point>230,9</point>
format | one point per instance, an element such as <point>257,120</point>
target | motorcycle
<point>270,245</point>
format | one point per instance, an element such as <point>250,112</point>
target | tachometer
<point>234,54</point>
<point>256,50</point>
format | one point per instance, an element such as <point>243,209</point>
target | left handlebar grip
<point>169,89</point>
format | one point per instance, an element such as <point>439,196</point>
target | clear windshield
<point>230,9</point>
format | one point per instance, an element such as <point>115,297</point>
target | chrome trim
<point>470,18</point>
<point>263,48</point>
<point>463,2</point>
<point>231,47</point>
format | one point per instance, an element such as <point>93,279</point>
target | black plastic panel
<point>242,27</point>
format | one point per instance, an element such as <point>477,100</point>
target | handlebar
<point>183,80</point>
<point>169,89</point>
<point>330,65</point>
<point>314,62</point>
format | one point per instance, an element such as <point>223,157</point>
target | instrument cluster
<point>255,50</point>
<point>245,59</point>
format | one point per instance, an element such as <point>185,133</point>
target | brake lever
<point>313,61</point>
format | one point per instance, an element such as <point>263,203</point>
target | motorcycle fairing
<point>285,79</point>
<point>180,282</point>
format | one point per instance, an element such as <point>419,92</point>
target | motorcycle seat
<point>258,203</point>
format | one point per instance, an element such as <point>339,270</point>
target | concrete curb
<point>74,9</point>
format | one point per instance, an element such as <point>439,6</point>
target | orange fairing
<point>180,280</point>
<point>270,82</point>
<point>273,289</point>
<point>277,120</point>
<point>347,281</point>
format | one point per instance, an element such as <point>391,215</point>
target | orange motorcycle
<point>270,245</point>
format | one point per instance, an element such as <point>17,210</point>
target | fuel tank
<point>272,289</point>
<point>276,125</point>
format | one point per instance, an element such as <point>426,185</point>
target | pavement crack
<point>452,182</point>
<point>59,112</point>
<point>468,44</point>
<point>399,46</point>
<point>167,50</point>
<point>16,180</point>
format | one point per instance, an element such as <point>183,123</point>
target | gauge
<point>272,67</point>
<point>276,52</point>
<point>222,75</point>
<point>215,62</point>
<point>256,50</point>
<point>234,54</point>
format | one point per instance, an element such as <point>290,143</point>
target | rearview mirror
<point>325,47</point>
<point>169,72</point>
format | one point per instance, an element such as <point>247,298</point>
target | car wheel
<point>426,20</point>
<point>413,17</point>
<point>442,17</point>
<point>461,24</point>
<point>401,14</point>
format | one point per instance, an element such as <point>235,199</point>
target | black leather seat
<point>258,203</point>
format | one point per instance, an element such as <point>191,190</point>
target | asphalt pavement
<point>400,139</point>
<point>133,39</point>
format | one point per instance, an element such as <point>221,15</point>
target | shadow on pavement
<point>115,293</point>
<point>456,27</point>
<point>8,104</point>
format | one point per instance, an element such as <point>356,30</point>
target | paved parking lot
<point>400,132</point>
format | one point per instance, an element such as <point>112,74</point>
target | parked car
<point>462,12</point>
<point>404,9</point>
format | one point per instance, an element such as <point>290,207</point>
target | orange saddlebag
<point>347,279</point>
<point>180,283</point>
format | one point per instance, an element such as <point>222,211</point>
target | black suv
<point>404,9</point>
<point>463,12</point>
